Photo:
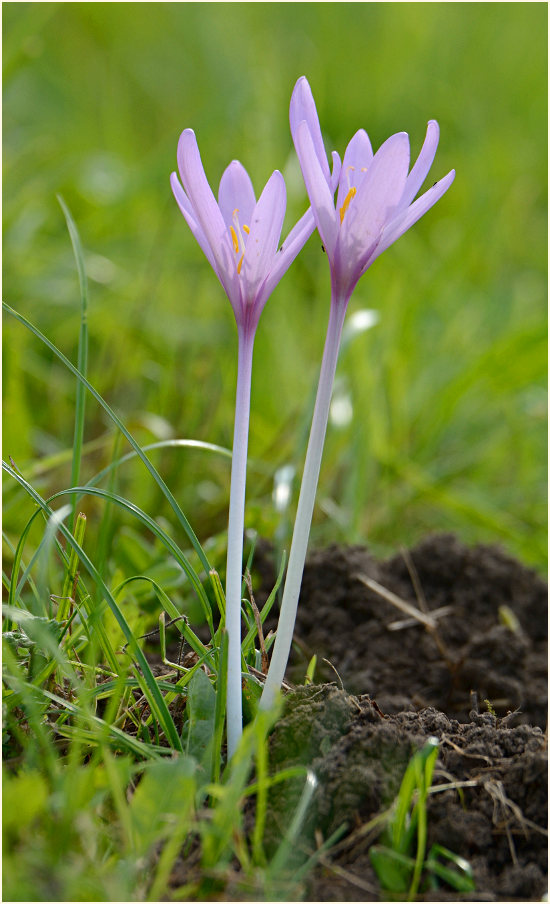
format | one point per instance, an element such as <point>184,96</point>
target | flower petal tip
<point>187,135</point>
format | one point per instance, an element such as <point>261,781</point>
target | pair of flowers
<point>375,204</point>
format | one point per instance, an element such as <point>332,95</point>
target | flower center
<point>237,237</point>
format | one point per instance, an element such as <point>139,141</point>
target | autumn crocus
<point>374,206</point>
<point>240,237</point>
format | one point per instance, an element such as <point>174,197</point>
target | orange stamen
<point>351,194</point>
<point>235,239</point>
<point>239,265</point>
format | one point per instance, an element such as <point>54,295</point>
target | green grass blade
<point>57,459</point>
<point>425,767</point>
<point>105,533</point>
<point>70,576</point>
<point>266,608</point>
<point>8,579</point>
<point>289,840</point>
<point>460,876</point>
<point>82,360</point>
<point>219,715</point>
<point>37,556</point>
<point>116,420</point>
<point>54,522</point>
<point>163,444</point>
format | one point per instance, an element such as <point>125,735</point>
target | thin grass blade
<point>82,360</point>
<point>116,420</point>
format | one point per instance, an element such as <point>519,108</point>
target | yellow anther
<point>235,239</point>
<point>237,236</point>
<point>351,194</point>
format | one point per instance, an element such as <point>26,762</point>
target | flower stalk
<point>235,532</point>
<point>304,512</point>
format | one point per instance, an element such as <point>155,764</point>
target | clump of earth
<point>466,665</point>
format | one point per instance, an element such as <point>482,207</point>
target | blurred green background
<point>439,413</point>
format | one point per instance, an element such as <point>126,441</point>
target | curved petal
<point>320,194</point>
<point>265,231</point>
<point>288,251</point>
<point>204,204</point>
<point>185,206</point>
<point>302,107</point>
<point>422,166</point>
<point>404,221</point>
<point>378,193</point>
<point>236,192</point>
<point>357,159</point>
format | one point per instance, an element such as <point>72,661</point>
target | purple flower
<point>239,235</point>
<point>375,202</point>
<point>374,206</point>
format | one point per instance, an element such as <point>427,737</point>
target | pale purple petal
<point>320,194</point>
<point>421,168</point>
<point>291,247</point>
<point>357,159</point>
<point>404,221</point>
<point>204,203</point>
<point>236,193</point>
<point>336,170</point>
<point>378,194</point>
<point>265,231</point>
<point>302,107</point>
<point>187,210</point>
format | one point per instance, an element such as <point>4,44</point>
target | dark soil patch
<point>493,629</point>
<point>489,644</point>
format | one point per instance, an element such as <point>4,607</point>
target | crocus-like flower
<point>374,206</point>
<point>240,237</point>
<point>375,192</point>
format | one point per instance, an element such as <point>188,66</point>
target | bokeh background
<point>438,419</point>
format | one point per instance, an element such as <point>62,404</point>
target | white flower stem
<point>304,513</point>
<point>235,532</point>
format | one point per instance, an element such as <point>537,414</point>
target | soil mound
<point>467,665</point>
<point>489,637</point>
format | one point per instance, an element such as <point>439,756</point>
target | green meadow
<point>443,401</point>
<point>439,411</point>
